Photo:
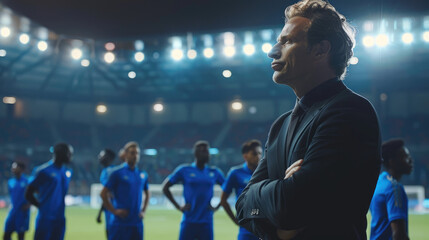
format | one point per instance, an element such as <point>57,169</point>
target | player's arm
<point>105,193</point>
<point>146,194</point>
<point>224,202</point>
<point>29,195</point>
<point>399,230</point>
<point>169,195</point>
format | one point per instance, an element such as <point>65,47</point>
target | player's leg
<point>205,231</point>
<point>187,231</point>
<point>7,235</point>
<point>21,235</point>
<point>58,230</point>
<point>9,226</point>
<point>43,229</point>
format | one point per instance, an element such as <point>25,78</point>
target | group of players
<point>125,193</point>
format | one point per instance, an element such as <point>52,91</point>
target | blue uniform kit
<point>127,185</point>
<point>237,180</point>
<point>104,176</point>
<point>18,219</point>
<point>197,222</point>
<point>389,203</point>
<point>52,185</point>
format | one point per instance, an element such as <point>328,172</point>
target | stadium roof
<point>113,19</point>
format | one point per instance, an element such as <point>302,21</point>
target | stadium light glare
<point>227,73</point>
<point>177,54</point>
<point>101,108</point>
<point>3,53</point>
<point>253,110</point>
<point>266,47</point>
<point>158,107</point>
<point>150,152</point>
<point>139,56</point>
<point>426,36</point>
<point>208,52</point>
<point>5,32</point>
<point>76,53</point>
<point>249,49</point>
<point>109,57</point>
<point>109,46</point>
<point>228,38</point>
<point>213,151</point>
<point>132,74</point>
<point>407,38</point>
<point>24,38</point>
<point>236,105</point>
<point>9,100</point>
<point>192,54</point>
<point>354,60</point>
<point>42,46</point>
<point>382,40</point>
<point>368,41</point>
<point>84,63</point>
<point>229,51</point>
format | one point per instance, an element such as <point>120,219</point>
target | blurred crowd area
<point>29,141</point>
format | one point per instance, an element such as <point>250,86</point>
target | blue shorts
<point>196,231</point>
<point>17,221</point>
<point>126,232</point>
<point>48,229</point>
<point>243,234</point>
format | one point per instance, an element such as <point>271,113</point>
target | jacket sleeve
<point>344,145</point>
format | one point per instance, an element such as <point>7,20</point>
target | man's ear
<point>321,50</point>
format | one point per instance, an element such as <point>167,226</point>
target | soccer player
<point>19,216</point>
<point>105,157</point>
<point>198,181</point>
<point>237,179</point>
<point>51,182</point>
<point>127,185</point>
<point>389,206</point>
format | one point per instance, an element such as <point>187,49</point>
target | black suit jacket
<point>328,198</point>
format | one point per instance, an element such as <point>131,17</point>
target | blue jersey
<point>104,176</point>
<point>197,190</point>
<point>17,219</point>
<point>127,185</point>
<point>388,203</point>
<point>52,184</point>
<point>237,180</point>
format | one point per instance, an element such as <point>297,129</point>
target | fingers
<point>293,168</point>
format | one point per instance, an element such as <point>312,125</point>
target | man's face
<point>132,155</point>
<point>16,170</point>
<point>291,56</point>
<point>202,153</point>
<point>403,162</point>
<point>252,157</point>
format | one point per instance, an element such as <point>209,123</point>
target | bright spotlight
<point>382,40</point>
<point>109,57</point>
<point>139,56</point>
<point>253,110</point>
<point>3,53</point>
<point>237,105</point>
<point>109,46</point>
<point>9,100</point>
<point>42,46</point>
<point>249,49</point>
<point>192,54</point>
<point>176,54</point>
<point>24,38</point>
<point>158,107</point>
<point>229,51</point>
<point>426,36</point>
<point>5,32</point>
<point>208,52</point>
<point>84,62</point>
<point>132,74</point>
<point>354,60</point>
<point>227,73</point>
<point>101,108</point>
<point>368,41</point>
<point>266,47</point>
<point>76,53</point>
<point>407,38</point>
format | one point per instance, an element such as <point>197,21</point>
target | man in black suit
<point>322,159</point>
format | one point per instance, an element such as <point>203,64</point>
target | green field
<point>164,224</point>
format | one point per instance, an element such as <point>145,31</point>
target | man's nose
<point>275,52</point>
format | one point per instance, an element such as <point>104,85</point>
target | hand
<point>98,219</point>
<point>185,207</point>
<point>122,213</point>
<point>293,168</point>
<point>286,234</point>
<point>141,214</point>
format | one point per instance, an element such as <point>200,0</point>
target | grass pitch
<point>164,224</point>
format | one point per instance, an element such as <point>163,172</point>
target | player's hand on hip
<point>122,213</point>
<point>98,219</point>
<point>185,207</point>
<point>293,168</point>
<point>141,214</point>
